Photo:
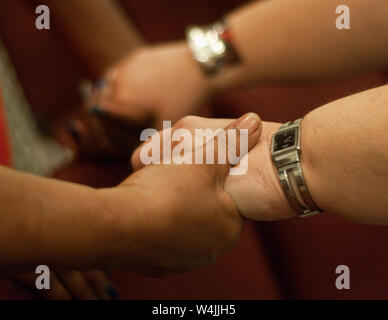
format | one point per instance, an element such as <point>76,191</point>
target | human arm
<point>45,221</point>
<point>344,160</point>
<point>99,31</point>
<point>152,223</point>
<point>346,156</point>
<point>290,40</point>
<point>278,41</point>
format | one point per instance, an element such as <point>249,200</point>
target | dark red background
<point>289,259</point>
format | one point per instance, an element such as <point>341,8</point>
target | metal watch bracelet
<point>211,46</point>
<point>285,154</point>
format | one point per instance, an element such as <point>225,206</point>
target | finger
<point>56,292</point>
<point>226,139</point>
<point>250,122</point>
<point>248,127</point>
<point>156,143</point>
<point>77,285</point>
<point>102,286</point>
<point>200,123</point>
<point>160,149</point>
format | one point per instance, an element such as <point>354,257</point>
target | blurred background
<point>293,259</point>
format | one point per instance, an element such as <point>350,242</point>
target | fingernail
<point>250,121</point>
<point>112,292</point>
<point>72,129</point>
<point>97,111</point>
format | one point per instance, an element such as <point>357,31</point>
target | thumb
<point>232,143</point>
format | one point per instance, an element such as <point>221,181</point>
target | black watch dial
<point>285,139</point>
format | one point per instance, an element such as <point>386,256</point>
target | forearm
<point>44,221</point>
<point>345,156</point>
<point>297,40</point>
<point>98,31</point>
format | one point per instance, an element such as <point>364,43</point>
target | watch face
<point>285,140</point>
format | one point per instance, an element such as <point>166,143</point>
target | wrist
<point>283,207</point>
<point>291,158</point>
<point>112,223</point>
<point>222,68</point>
<point>194,69</point>
<point>97,243</point>
<point>128,230</point>
<point>310,166</point>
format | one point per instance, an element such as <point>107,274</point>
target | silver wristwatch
<point>212,46</point>
<point>285,153</point>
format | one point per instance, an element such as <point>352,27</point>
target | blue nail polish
<point>112,292</point>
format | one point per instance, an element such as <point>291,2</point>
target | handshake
<point>175,217</point>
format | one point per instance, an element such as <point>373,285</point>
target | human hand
<point>153,84</point>
<point>181,216</point>
<point>66,285</point>
<point>163,82</point>
<point>96,134</point>
<point>257,194</point>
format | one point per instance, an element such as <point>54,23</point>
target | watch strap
<point>212,46</point>
<point>291,177</point>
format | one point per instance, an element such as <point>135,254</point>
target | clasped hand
<point>191,213</point>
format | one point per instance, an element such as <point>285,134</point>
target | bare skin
<point>98,31</point>
<point>344,160</point>
<point>295,49</point>
<point>137,225</point>
<point>83,23</point>
<point>278,41</point>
